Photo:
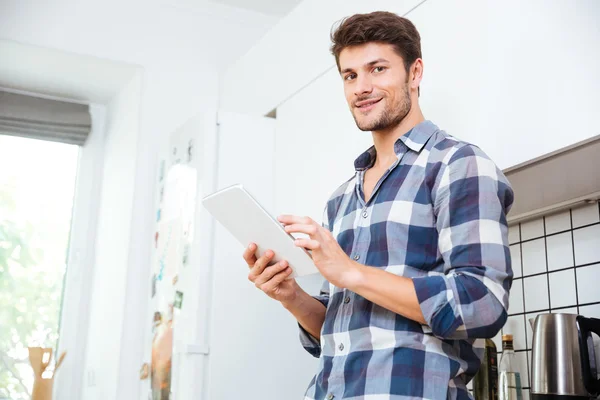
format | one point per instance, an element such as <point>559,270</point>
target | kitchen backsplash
<point>556,264</point>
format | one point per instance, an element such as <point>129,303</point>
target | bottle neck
<point>507,346</point>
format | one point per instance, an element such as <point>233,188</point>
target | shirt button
<point>347,300</point>
<point>356,256</point>
<point>330,396</point>
<point>341,347</point>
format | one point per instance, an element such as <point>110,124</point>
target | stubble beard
<point>390,116</point>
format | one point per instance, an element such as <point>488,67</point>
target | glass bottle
<point>485,382</point>
<point>509,378</point>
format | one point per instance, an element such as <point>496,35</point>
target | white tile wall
<point>532,229</point>
<point>568,310</point>
<point>560,259</point>
<point>585,215</point>
<point>588,284</point>
<point>591,311</point>
<point>515,255</point>
<point>536,293</point>
<point>533,254</point>
<point>560,251</point>
<point>515,325</point>
<point>498,341</point>
<point>514,236</point>
<point>587,244</point>
<point>558,222</point>
<point>562,287</point>
<point>515,301</point>
<point>528,328</point>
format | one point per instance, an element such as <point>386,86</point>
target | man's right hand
<point>272,280</point>
<point>275,282</point>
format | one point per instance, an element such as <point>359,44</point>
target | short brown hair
<point>378,26</point>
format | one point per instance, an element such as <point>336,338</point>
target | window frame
<point>78,280</point>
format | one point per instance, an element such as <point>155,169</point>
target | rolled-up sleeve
<point>308,341</point>
<point>471,199</point>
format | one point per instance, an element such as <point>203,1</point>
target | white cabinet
<point>518,78</point>
<point>255,352</point>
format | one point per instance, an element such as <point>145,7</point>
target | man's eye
<point>349,77</point>
<point>378,69</point>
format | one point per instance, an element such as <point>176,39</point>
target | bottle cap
<point>507,337</point>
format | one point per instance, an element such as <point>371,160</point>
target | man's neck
<point>384,140</point>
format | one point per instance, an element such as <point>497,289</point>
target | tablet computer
<point>249,222</point>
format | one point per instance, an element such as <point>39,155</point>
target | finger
<point>269,273</point>
<point>309,244</point>
<point>260,265</point>
<point>301,228</point>
<point>293,219</point>
<point>250,255</point>
<point>272,284</point>
<point>263,261</point>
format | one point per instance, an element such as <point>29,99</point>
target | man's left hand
<point>328,256</point>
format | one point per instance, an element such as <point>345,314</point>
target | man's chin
<point>366,126</point>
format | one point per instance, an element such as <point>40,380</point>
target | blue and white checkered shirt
<point>438,216</point>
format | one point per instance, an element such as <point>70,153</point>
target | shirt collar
<point>414,139</point>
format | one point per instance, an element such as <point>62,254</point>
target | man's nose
<point>363,85</point>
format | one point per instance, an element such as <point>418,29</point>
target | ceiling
<point>84,78</point>
<point>64,75</point>
<point>277,8</point>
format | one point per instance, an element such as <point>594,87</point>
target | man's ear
<point>416,74</point>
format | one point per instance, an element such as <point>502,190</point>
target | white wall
<point>112,243</point>
<point>517,78</point>
<point>175,45</point>
<point>315,153</point>
<point>292,54</point>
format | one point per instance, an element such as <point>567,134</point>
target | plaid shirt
<point>438,216</point>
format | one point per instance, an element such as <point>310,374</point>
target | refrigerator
<point>228,340</point>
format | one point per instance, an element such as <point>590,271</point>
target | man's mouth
<point>365,105</point>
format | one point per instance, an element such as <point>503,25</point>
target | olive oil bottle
<point>485,382</point>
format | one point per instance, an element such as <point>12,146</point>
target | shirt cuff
<point>308,341</point>
<point>437,304</point>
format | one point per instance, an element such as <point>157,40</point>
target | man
<point>414,246</point>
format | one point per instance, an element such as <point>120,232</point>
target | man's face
<point>375,85</point>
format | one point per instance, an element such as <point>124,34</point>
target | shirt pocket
<point>412,237</point>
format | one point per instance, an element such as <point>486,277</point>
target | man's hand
<point>327,254</point>
<point>271,280</point>
<point>274,281</point>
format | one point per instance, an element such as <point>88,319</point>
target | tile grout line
<point>524,316</point>
<point>545,310</point>
<point>558,270</point>
<point>557,233</point>
<point>574,263</point>
<point>546,257</point>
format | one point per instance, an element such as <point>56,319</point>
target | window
<point>37,186</point>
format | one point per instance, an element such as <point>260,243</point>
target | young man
<point>414,246</point>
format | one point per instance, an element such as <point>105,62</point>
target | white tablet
<point>249,223</point>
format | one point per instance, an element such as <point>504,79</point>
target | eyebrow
<point>369,64</point>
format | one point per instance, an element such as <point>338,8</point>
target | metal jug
<point>563,359</point>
